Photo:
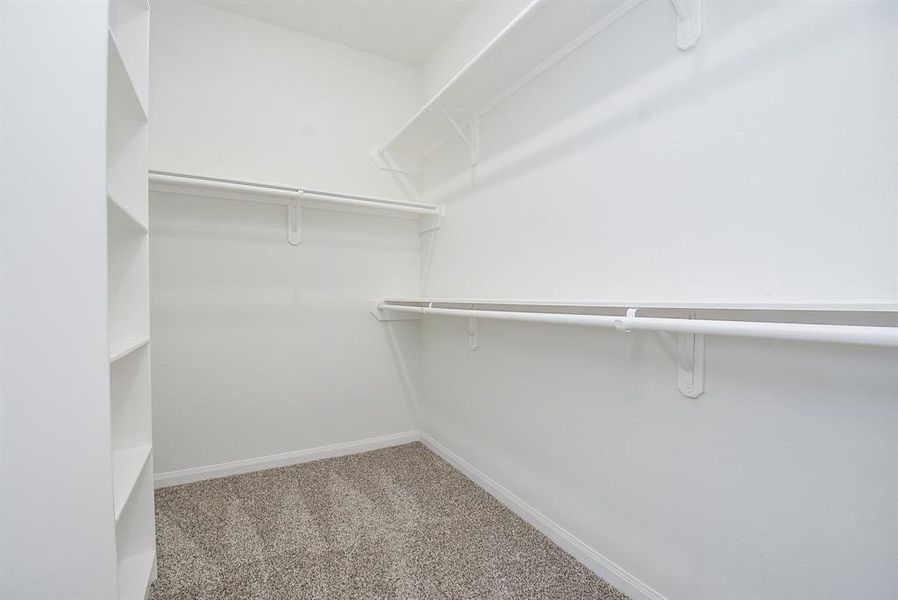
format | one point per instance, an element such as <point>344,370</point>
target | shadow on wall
<point>633,72</point>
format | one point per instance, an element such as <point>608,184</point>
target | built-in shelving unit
<point>541,35</point>
<point>128,296</point>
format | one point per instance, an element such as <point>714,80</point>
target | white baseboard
<point>170,478</point>
<point>593,560</point>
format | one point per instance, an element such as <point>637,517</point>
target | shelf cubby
<point>131,407</point>
<point>127,465</point>
<point>128,256</point>
<point>135,535</point>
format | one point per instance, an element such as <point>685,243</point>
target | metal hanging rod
<point>290,197</point>
<point>688,349</point>
<point>810,332</point>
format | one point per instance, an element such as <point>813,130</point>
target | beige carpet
<point>392,523</point>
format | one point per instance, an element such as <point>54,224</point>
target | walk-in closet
<point>448,299</point>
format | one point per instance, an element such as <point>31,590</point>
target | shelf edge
<point>131,345</point>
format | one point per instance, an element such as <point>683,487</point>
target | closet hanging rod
<point>271,194</point>
<point>839,334</point>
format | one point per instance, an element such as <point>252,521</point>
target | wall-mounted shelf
<point>293,198</point>
<point>541,35</point>
<point>863,306</point>
<point>688,349</point>
<point>127,465</point>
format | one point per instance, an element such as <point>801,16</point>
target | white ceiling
<point>403,30</point>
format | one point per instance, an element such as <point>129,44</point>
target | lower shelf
<point>135,574</point>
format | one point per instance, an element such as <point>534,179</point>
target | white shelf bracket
<point>471,140</point>
<point>689,352</point>
<point>689,22</point>
<point>472,328</point>
<point>434,222</point>
<point>475,138</point>
<point>294,220</point>
<point>384,160</point>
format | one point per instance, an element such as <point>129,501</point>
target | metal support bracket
<point>294,220</point>
<point>472,139</point>
<point>472,327</point>
<point>434,222</point>
<point>689,22</point>
<point>384,160</point>
<point>689,352</point>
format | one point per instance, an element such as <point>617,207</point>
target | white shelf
<point>882,306</point>
<point>124,98</point>
<point>127,464</point>
<point>135,573</point>
<point>127,215</point>
<point>120,348</point>
<point>543,33</point>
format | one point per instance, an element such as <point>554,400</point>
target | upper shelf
<point>541,35</point>
<point>872,306</point>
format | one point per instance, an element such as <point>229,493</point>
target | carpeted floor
<point>392,523</point>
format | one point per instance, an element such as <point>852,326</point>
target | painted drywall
<point>57,536</point>
<point>758,167</point>
<point>236,98</point>
<point>260,347</point>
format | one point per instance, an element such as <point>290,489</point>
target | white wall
<point>260,347</point>
<point>236,98</point>
<point>758,167</point>
<point>56,502</point>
